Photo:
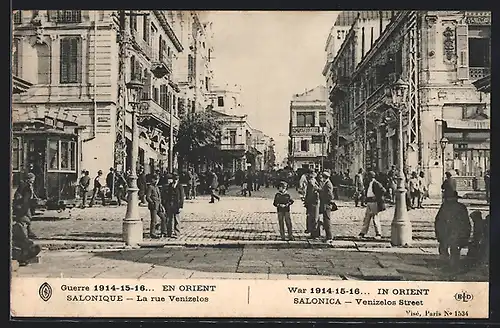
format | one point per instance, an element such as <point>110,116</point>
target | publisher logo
<point>464,297</point>
<point>45,292</point>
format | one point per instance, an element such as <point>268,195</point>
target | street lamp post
<point>132,224</point>
<point>444,143</point>
<point>401,231</point>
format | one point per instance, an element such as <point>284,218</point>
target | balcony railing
<point>241,147</point>
<point>476,73</point>
<point>305,130</point>
<point>68,16</point>
<point>143,45</point>
<point>166,60</point>
<point>150,108</point>
<point>308,154</point>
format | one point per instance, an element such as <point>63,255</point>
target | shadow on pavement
<point>357,265</point>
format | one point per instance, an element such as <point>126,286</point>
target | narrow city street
<point>236,235</point>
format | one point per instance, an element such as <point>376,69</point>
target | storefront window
<point>53,155</point>
<point>16,154</point>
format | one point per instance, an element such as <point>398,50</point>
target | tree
<point>198,138</point>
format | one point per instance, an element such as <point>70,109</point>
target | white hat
<point>326,174</point>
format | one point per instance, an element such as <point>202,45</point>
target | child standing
<point>282,202</point>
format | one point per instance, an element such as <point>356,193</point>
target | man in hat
<point>172,196</point>
<point>98,186</point>
<point>23,249</point>
<point>327,204</point>
<point>373,193</point>
<point>449,186</point>
<point>23,198</point>
<point>311,202</point>
<point>84,185</point>
<point>213,184</point>
<point>153,198</point>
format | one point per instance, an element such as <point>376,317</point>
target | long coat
<point>153,197</point>
<point>23,198</point>
<point>452,225</point>
<point>326,195</point>
<point>172,197</point>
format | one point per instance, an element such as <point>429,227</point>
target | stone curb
<point>62,244</point>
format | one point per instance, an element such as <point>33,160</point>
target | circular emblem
<point>45,291</point>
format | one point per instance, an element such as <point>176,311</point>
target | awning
<point>483,84</point>
<point>19,85</point>
<point>467,124</point>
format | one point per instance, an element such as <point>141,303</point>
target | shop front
<point>48,147</point>
<point>468,152</point>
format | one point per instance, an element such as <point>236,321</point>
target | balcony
<point>143,45</point>
<point>308,154</point>
<point>151,110</point>
<point>68,16</point>
<point>233,147</point>
<point>163,62</point>
<point>476,73</point>
<point>305,130</point>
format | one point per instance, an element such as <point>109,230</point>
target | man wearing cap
<point>374,192</point>
<point>311,202</point>
<point>23,249</point>
<point>84,185</point>
<point>23,198</point>
<point>98,185</point>
<point>327,204</point>
<point>172,196</point>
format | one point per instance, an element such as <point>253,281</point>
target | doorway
<point>36,163</point>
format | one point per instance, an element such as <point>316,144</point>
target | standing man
<point>84,185</point>
<point>302,187</point>
<point>359,188</point>
<point>487,185</point>
<point>141,184</point>
<point>374,193</point>
<point>196,183</point>
<point>213,183</point>
<point>327,204</point>
<point>173,201</point>
<point>23,198</point>
<point>449,186</point>
<point>110,182</point>
<point>311,201</point>
<point>153,198</point>
<point>98,185</point>
<point>120,187</point>
<point>190,182</point>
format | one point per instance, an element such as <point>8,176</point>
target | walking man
<point>84,185</point>
<point>213,184</point>
<point>327,204</point>
<point>120,187</point>
<point>173,202</point>
<point>359,188</point>
<point>374,193</point>
<point>98,185</point>
<point>153,198</point>
<point>110,182</point>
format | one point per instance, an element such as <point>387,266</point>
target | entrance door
<point>36,164</point>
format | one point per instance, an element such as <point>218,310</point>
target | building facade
<point>79,62</point>
<point>440,54</point>
<point>352,36</point>
<point>308,128</point>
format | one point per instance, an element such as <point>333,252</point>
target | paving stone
<point>294,270</point>
<point>338,271</point>
<point>244,263</point>
<point>256,269</point>
<point>380,274</point>
<point>308,277</point>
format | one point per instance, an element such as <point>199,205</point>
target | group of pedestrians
<point>115,184</point>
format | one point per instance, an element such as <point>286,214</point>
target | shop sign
<point>478,18</point>
<point>305,130</point>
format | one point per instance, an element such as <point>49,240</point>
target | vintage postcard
<point>314,164</point>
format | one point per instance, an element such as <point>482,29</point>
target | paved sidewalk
<point>231,222</point>
<point>249,263</point>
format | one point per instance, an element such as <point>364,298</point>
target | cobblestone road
<point>233,218</point>
<point>249,263</point>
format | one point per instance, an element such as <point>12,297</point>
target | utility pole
<point>365,107</point>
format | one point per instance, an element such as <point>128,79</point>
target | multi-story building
<point>226,99</point>
<point>308,129</point>
<point>361,29</point>
<point>440,54</point>
<point>261,142</point>
<point>79,62</point>
<point>194,72</point>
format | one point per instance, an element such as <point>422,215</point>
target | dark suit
<point>23,198</point>
<point>153,197</point>
<point>449,188</point>
<point>172,197</point>
<point>311,201</point>
<point>326,197</point>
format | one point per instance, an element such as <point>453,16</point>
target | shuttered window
<point>15,57</point>
<point>145,29</point>
<point>71,60</point>
<point>163,96</point>
<point>462,39</point>
<point>146,92</point>
<point>17,17</point>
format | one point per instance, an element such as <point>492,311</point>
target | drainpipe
<point>94,78</point>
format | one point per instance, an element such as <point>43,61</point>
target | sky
<point>272,56</point>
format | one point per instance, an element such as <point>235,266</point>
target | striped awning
<point>483,84</point>
<point>468,124</point>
